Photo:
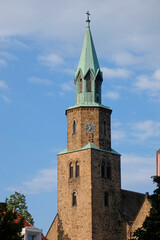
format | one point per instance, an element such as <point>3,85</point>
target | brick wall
<point>53,231</point>
<point>76,221</point>
<point>83,115</point>
<point>141,216</point>
<point>107,221</point>
<point>90,219</point>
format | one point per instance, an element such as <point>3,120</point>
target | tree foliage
<point>17,202</point>
<point>150,229</point>
<point>10,229</point>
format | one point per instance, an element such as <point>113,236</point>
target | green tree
<point>10,229</point>
<point>17,202</point>
<point>150,229</point>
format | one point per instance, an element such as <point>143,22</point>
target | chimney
<point>158,163</point>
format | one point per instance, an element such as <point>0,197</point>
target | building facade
<point>91,203</point>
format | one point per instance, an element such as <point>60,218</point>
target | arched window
<point>106,199</point>
<point>80,85</point>
<point>77,169</point>
<point>70,170</point>
<point>89,85</point>
<point>104,128</point>
<point>103,169</point>
<point>74,199</point>
<point>108,170</point>
<point>74,127</point>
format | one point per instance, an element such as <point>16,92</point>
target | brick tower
<point>89,185</point>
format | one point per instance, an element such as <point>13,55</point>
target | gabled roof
<point>88,59</point>
<point>131,204</point>
<point>26,223</point>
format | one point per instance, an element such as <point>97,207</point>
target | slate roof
<point>131,204</point>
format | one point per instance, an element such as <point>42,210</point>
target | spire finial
<point>88,14</point>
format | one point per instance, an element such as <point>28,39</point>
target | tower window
<point>108,170</point>
<point>106,199</point>
<point>89,85</point>
<point>104,128</point>
<point>97,86</point>
<point>77,169</point>
<point>103,169</point>
<point>70,170</point>
<point>80,85</point>
<point>74,199</point>
<point>74,127</point>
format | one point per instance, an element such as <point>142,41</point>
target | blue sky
<point>40,45</point>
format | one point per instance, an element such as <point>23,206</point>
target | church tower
<point>89,185</point>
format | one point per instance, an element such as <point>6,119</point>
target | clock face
<point>90,128</point>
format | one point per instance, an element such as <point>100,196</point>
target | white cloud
<point>8,56</point>
<point>4,57</point>
<point>50,94</point>
<point>131,35</point>
<point>156,75</point>
<point>51,60</point>
<point>67,87</point>
<point>118,135</point>
<point>134,159</point>
<point>115,73</point>
<point>151,84</point>
<point>3,84</point>
<point>44,181</point>
<point>146,129</point>
<point>136,132</point>
<point>5,98</point>
<point>3,62</point>
<point>137,171</point>
<point>69,71</point>
<point>118,132</point>
<point>40,81</point>
<point>116,124</point>
<point>112,95</point>
<point>56,150</point>
<point>127,59</point>
<point>7,42</point>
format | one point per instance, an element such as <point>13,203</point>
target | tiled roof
<point>43,238</point>
<point>27,224</point>
<point>131,204</point>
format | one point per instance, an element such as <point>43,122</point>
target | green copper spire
<point>88,77</point>
<point>88,59</point>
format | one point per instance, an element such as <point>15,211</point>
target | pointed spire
<point>88,59</point>
<point>88,77</point>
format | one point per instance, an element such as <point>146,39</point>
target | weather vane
<point>88,20</point>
